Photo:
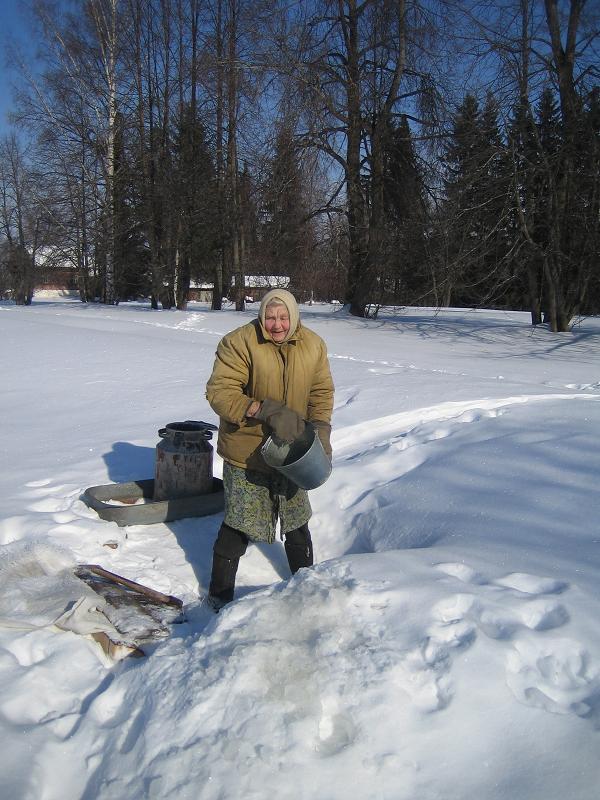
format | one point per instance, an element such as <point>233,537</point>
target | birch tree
<point>106,19</point>
<point>550,49</point>
<point>357,82</point>
<point>20,219</point>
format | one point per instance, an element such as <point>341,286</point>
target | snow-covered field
<point>447,643</point>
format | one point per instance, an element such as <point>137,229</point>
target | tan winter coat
<point>251,366</point>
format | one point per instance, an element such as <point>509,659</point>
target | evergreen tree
<point>475,215</point>
<point>546,166</point>
<point>286,234</point>
<point>195,203</point>
<point>558,208</point>
<point>591,138</point>
<point>132,265</point>
<point>405,220</point>
<point>528,269</point>
<point>248,222</point>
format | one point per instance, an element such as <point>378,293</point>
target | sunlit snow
<point>446,644</point>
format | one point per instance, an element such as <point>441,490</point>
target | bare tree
<point>106,18</point>
<point>549,49</point>
<point>359,73</point>
<point>567,260</point>
<point>18,220</point>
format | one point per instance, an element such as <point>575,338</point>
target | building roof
<point>267,281</point>
<point>252,282</point>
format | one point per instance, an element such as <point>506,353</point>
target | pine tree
<point>475,214</point>
<point>405,219</point>
<point>195,203</point>
<point>591,183</point>
<point>286,234</point>
<point>547,164</point>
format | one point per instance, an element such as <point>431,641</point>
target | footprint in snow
<point>557,675</point>
<point>387,370</point>
<point>38,484</point>
<point>49,498</point>
<point>461,571</point>
<point>335,732</point>
<point>531,584</point>
<point>501,615</point>
<point>40,489</point>
<point>50,504</point>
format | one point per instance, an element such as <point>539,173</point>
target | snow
<point>447,643</point>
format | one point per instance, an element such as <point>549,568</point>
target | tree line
<point>374,151</point>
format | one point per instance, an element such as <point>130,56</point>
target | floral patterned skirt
<point>254,501</point>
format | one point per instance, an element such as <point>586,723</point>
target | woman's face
<point>277,322</point>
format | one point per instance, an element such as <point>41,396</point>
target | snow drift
<point>446,645</point>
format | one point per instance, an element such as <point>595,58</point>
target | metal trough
<point>125,508</point>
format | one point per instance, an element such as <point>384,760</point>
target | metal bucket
<point>183,466</point>
<point>304,461</point>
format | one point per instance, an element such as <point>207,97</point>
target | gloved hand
<point>323,430</point>
<point>285,423</point>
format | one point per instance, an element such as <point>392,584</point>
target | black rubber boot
<point>222,579</point>
<point>229,547</point>
<point>299,549</point>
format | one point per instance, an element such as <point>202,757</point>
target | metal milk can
<point>183,466</point>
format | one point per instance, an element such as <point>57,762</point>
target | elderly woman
<point>269,376</point>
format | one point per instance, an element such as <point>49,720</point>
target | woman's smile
<point>277,322</point>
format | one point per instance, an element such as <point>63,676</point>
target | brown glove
<point>323,430</point>
<point>285,423</point>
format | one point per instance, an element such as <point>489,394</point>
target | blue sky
<point>14,29</point>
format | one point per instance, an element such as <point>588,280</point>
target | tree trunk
<point>217,295</point>
<point>562,276</point>
<point>357,233</point>
<point>106,29</point>
<point>533,285</point>
<point>232,159</point>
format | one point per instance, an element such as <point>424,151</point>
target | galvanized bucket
<point>304,461</point>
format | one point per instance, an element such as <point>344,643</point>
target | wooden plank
<point>153,594</point>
